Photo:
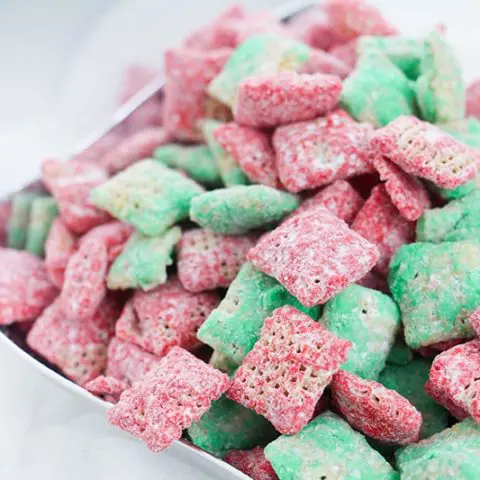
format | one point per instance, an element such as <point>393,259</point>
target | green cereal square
<point>196,161</point>
<point>258,55</point>
<point>236,210</point>
<point>143,261</point>
<point>437,287</point>
<point>327,448</point>
<point>409,380</point>
<point>370,320</point>
<point>230,426</point>
<point>17,227</point>
<point>43,211</point>
<point>148,195</point>
<point>377,91</point>
<point>234,326</point>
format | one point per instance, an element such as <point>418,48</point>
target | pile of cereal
<point>278,260</point>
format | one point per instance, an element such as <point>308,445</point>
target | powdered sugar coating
<point>475,321</point>
<point>473,99</point>
<point>286,97</point>
<point>173,395</point>
<point>406,192</point>
<point>422,149</point>
<point>207,260</point>
<point>84,286</point>
<point>441,396</point>
<point>252,463</point>
<point>285,374</point>
<point>187,74</point>
<point>25,289</point>
<point>376,411</point>
<point>252,150</point>
<point>318,152</point>
<point>314,255</point>
<point>165,317</point>
<point>380,222</point>
<point>108,387</point>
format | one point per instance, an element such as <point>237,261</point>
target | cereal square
<point>252,463</point>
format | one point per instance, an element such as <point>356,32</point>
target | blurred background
<point>61,63</point>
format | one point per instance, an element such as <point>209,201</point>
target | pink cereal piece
<point>316,153</point>
<point>314,255</point>
<point>128,362</point>
<point>187,74</point>
<point>25,289</point>
<point>339,197</point>
<point>352,18</point>
<point>84,286</point>
<point>286,97</point>
<point>454,375</point>
<point>380,222</point>
<point>375,410</point>
<point>165,317</point>
<point>79,349</point>
<point>59,247</point>
<point>150,114</point>
<point>475,321</point>
<point>4,217</point>
<point>173,395</point>
<point>422,149</point>
<point>347,53</point>
<point>406,192</point>
<point>441,397</point>
<point>324,62</point>
<point>113,235</point>
<point>252,463</point>
<point>252,150</point>
<point>136,147</point>
<point>98,149</point>
<point>473,99</point>
<point>207,260</point>
<point>285,374</point>
<point>108,387</point>
<point>135,77</point>
<point>71,183</point>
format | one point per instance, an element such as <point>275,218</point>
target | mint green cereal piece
<point>229,169</point>
<point>440,88</point>
<point>144,260</point>
<point>399,354</point>
<point>450,454</point>
<point>437,287</point>
<point>409,380</point>
<point>221,362</point>
<point>234,326</point>
<point>230,426</point>
<point>148,195</point>
<point>258,55</point>
<point>43,211</point>
<point>236,210</point>
<point>370,320</point>
<point>196,161</point>
<point>17,227</point>
<point>327,448</point>
<point>377,91</point>
<point>404,52</point>
<point>458,220</point>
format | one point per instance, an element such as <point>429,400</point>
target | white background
<point>59,66</point>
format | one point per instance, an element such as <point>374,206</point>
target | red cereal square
<point>85,286</point>
<point>339,197</point>
<point>475,321</point>
<point>252,463</point>
<point>187,74</point>
<point>422,149</point>
<point>455,376</point>
<point>59,247</point>
<point>347,53</point>
<point>173,395</point>
<point>380,223</point>
<point>165,317</point>
<point>314,255</point>
<point>207,260</point>
<point>316,153</point>
<point>323,62</point>
<point>25,289</point>
<point>285,374</point>
<point>252,150</point>
<point>71,183</point>
<point>473,99</point>
<point>285,97</point>
<point>109,387</point>
<point>442,398</point>
<point>79,349</point>
<point>375,410</point>
<point>406,192</point>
